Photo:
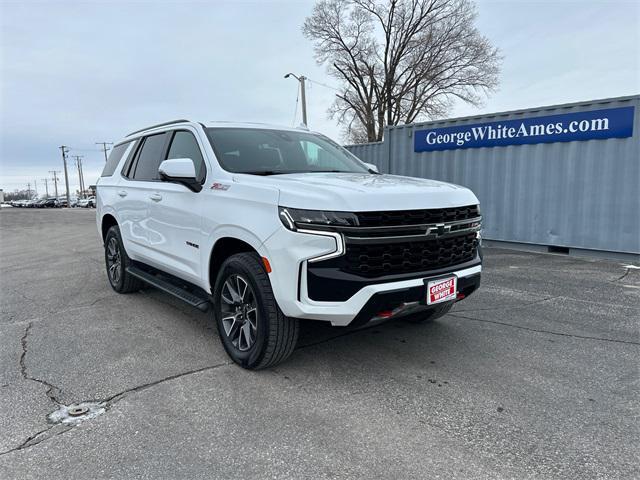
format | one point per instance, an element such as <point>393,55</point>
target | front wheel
<point>254,331</point>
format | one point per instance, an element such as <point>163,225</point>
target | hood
<point>361,192</point>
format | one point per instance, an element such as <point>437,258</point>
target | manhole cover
<point>77,412</point>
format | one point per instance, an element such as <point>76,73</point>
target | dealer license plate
<point>442,290</point>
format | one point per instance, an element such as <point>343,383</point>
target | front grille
<point>381,259</point>
<point>416,217</point>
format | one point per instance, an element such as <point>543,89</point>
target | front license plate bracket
<point>440,289</point>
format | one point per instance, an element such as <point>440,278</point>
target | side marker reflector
<point>267,265</point>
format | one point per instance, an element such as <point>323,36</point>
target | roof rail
<point>158,125</point>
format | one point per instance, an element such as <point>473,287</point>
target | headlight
<point>294,218</point>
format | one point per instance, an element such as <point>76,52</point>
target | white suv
<point>266,226</point>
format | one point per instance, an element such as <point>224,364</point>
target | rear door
<point>107,198</point>
<point>175,213</point>
<point>139,182</point>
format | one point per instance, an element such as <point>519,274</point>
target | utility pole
<point>64,149</point>
<point>55,180</point>
<point>46,187</point>
<point>29,190</point>
<point>35,186</point>
<point>105,149</point>
<point>303,95</point>
<point>80,178</point>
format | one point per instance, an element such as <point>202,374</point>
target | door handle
<point>122,193</point>
<point>156,197</point>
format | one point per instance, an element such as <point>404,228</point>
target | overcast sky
<point>76,73</point>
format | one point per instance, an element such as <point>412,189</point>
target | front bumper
<point>288,253</point>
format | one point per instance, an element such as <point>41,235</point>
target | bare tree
<point>399,61</point>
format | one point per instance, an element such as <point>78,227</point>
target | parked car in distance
<point>89,202</point>
<point>51,203</point>
<point>268,226</point>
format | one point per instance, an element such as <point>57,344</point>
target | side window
<point>185,145</point>
<point>127,168</point>
<point>149,157</point>
<point>119,151</point>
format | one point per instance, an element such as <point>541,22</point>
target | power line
<point>324,85</point>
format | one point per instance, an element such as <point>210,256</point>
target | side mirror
<point>371,167</point>
<point>180,170</point>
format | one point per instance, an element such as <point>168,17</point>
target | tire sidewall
<point>114,232</point>
<point>251,357</point>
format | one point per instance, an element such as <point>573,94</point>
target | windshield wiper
<point>265,172</point>
<point>285,172</point>
<point>341,171</point>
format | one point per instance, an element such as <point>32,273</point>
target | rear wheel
<point>428,316</point>
<point>253,330</point>
<point>117,261</point>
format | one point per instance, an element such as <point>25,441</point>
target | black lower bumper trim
<point>327,284</point>
<point>390,300</point>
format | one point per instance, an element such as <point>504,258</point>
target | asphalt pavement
<point>534,376</point>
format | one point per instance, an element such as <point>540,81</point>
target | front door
<point>174,224</point>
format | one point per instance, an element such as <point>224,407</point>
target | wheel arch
<point>108,221</point>
<point>223,249</point>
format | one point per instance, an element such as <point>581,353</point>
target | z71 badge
<point>220,186</point>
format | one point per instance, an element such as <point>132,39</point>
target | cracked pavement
<point>534,376</point>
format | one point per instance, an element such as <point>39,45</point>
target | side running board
<point>198,300</point>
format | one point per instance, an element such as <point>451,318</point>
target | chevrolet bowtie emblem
<point>439,229</point>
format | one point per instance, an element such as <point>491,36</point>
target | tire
<point>253,330</point>
<point>429,316</point>
<point>114,253</point>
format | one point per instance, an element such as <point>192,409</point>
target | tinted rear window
<point>115,156</point>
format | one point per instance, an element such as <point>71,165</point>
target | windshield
<point>272,152</point>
